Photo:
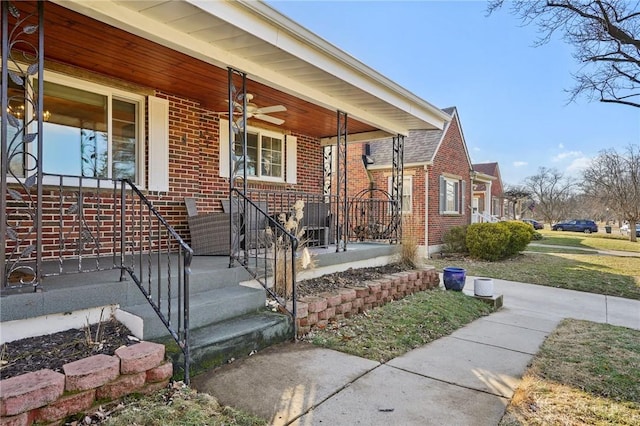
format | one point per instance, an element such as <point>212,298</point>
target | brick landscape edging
<point>46,396</point>
<point>317,311</point>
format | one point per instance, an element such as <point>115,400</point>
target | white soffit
<point>272,49</point>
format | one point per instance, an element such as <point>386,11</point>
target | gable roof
<point>420,147</point>
<point>490,169</point>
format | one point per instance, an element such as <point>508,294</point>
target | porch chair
<point>254,223</point>
<point>209,231</point>
<point>316,223</point>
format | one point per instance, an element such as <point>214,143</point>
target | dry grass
<point>584,374</point>
<point>409,244</point>
<point>173,406</point>
<point>393,329</point>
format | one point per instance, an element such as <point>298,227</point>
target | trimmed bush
<point>455,240</point>
<point>497,241</point>
<point>521,235</point>
<point>536,236</point>
<point>488,241</point>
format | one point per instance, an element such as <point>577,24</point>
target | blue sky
<point>510,95</point>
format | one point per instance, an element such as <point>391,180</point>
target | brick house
<point>487,203</point>
<point>436,183</point>
<point>135,116</point>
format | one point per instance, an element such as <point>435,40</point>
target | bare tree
<point>518,199</point>
<point>605,35</point>
<point>614,178</point>
<point>551,192</point>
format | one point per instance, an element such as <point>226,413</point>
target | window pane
<point>271,157</point>
<point>406,203</point>
<point>451,196</point>
<point>75,135</point>
<point>252,151</point>
<point>124,140</point>
<point>15,147</point>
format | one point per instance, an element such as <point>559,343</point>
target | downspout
<point>426,210</point>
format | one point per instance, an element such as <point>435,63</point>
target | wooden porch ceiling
<point>79,41</point>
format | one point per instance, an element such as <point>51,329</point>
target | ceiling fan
<point>261,113</point>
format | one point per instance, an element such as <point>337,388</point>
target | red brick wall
<point>451,159</point>
<point>193,171</point>
<point>358,178</point>
<point>194,155</point>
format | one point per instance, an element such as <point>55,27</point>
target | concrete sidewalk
<point>466,378</point>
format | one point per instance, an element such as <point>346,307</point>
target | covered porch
<point>114,112</point>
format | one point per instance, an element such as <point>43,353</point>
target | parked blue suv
<point>579,225</point>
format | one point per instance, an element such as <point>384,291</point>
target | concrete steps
<point>216,344</point>
<point>208,307</point>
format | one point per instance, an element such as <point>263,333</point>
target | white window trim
<point>447,181</point>
<point>224,153</point>
<point>407,183</point>
<point>110,93</point>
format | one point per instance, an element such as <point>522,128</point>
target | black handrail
<point>266,249</point>
<point>157,242</point>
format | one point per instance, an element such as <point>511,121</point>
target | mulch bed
<point>55,350</point>
<point>348,278</point>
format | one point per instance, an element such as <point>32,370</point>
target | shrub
<point>488,241</point>
<point>455,240</point>
<point>496,241</point>
<point>537,236</point>
<point>521,235</point>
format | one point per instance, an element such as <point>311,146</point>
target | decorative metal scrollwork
<point>341,182</point>
<point>20,230</point>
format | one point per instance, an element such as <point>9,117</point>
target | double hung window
<point>452,195</point>
<point>407,193</point>
<point>89,130</point>
<point>264,154</point>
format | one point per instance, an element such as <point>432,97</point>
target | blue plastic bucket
<point>454,278</point>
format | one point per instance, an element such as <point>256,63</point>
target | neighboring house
<point>142,91</point>
<point>436,182</point>
<point>487,204</point>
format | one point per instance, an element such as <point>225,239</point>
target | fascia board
<point>328,57</point>
<point>483,177</point>
<point>357,137</point>
<point>406,165</point>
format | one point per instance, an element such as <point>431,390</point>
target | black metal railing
<point>371,216</point>
<point>159,262</point>
<point>266,246</point>
<point>374,215</point>
<point>98,224</point>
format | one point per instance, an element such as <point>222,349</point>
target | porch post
<point>487,202</point>
<point>237,99</point>
<point>342,216</point>
<point>39,160</point>
<point>397,179</point>
<point>3,143</point>
<point>28,170</point>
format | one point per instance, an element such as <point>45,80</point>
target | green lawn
<point>583,271</point>
<point>592,241</point>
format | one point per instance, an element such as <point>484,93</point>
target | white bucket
<point>483,287</point>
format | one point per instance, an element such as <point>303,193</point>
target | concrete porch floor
<point>70,300</point>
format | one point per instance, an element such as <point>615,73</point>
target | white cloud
<point>519,163</point>
<point>565,155</point>
<point>578,165</point>
<point>561,146</point>
<point>476,149</point>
